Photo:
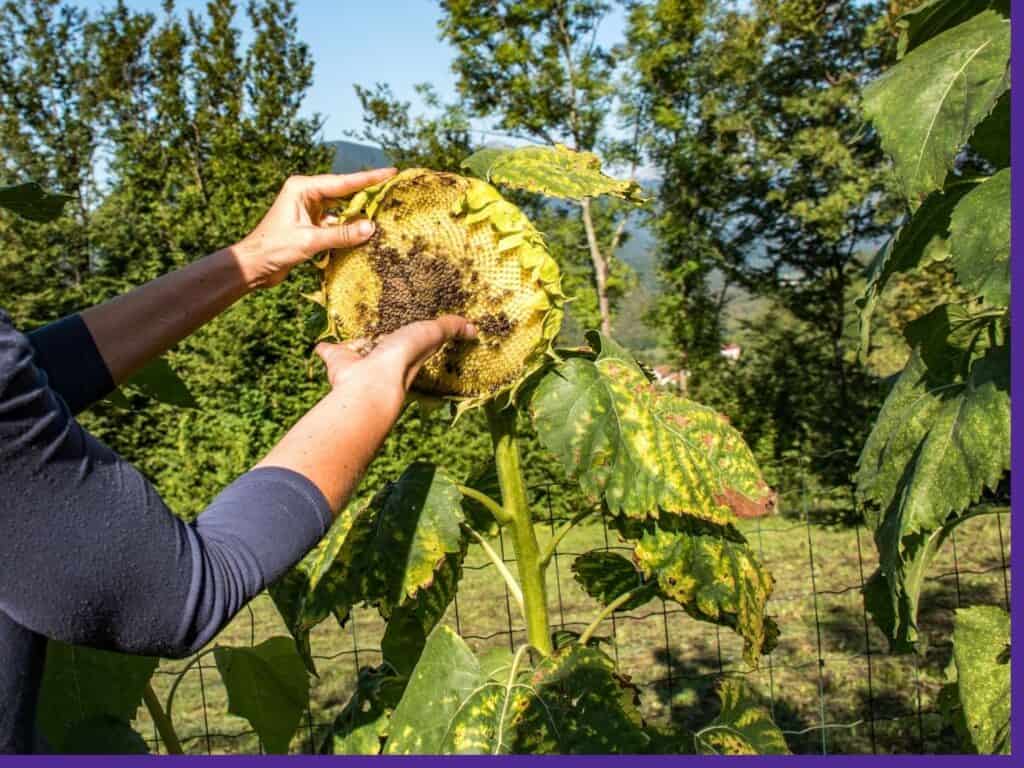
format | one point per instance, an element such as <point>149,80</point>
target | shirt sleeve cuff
<point>67,353</point>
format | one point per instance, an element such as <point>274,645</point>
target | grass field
<point>831,684</point>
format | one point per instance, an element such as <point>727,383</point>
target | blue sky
<point>364,41</point>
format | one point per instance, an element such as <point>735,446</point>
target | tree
<point>536,69</point>
<point>768,174</point>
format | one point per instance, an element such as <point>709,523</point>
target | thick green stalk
<point>524,537</point>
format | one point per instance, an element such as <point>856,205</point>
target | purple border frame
<point>1016,379</point>
<point>923,761</point>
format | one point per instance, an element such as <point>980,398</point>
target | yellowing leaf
<point>554,171</point>
<point>743,727</point>
<point>714,579</point>
<point>642,450</point>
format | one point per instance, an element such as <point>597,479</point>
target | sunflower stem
<point>502,423</point>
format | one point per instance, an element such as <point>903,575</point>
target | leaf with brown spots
<point>642,450</point>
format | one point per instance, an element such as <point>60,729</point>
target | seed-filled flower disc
<point>448,244</point>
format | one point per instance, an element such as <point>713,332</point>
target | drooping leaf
<point>32,202</point>
<point>410,527</point>
<point>159,381</point>
<point>927,106</point>
<point>362,726</point>
<point>743,727</point>
<point>936,16</point>
<point>553,171</point>
<point>307,594</point>
<point>401,553</point>
<point>980,240</point>
<point>104,735</point>
<point>714,579</point>
<point>893,592</point>
<point>640,449</point>
<point>921,240</point>
<point>82,684</point>
<point>268,686</point>
<point>412,620</point>
<point>981,649</point>
<point>935,448</point>
<point>607,575</point>
<point>991,138</point>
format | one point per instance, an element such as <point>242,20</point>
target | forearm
<point>134,328</point>
<point>333,444</point>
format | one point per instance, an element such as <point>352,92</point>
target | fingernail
<point>364,227</point>
<point>470,331</point>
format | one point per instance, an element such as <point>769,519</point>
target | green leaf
<point>401,553</point>
<point>714,579</point>
<point>607,575</point>
<point>159,381</point>
<point>641,449</point>
<point>893,592</point>
<point>553,171</point>
<point>268,686</point>
<point>949,338</point>
<point>32,202</point>
<point>83,684</point>
<point>104,735</point>
<point>362,726</point>
<point>409,529</point>
<point>934,449</point>
<point>981,645</point>
<point>308,593</point>
<point>446,675</point>
<point>936,16</point>
<point>918,242</point>
<point>927,106</point>
<point>991,138</point>
<point>580,705</point>
<point>743,727</point>
<point>413,620</point>
<point>572,703</point>
<point>980,240</point>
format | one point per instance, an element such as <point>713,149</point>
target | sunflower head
<point>449,244</point>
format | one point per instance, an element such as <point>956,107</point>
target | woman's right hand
<point>391,365</point>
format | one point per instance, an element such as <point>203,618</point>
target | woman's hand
<point>295,228</point>
<point>334,443</point>
<point>392,364</point>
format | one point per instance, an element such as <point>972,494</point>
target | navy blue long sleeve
<point>90,553</point>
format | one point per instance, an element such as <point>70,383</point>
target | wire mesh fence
<point>831,683</point>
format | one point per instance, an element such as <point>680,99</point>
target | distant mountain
<point>350,157</point>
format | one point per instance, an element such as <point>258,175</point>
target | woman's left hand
<point>295,228</point>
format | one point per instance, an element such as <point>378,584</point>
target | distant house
<point>350,157</point>
<point>666,377</point>
<point>731,352</point>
